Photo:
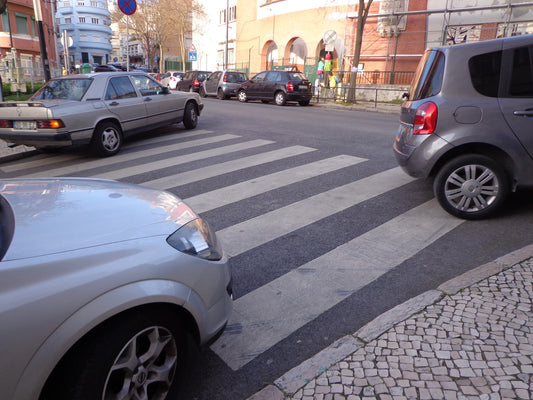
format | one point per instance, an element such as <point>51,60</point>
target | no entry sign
<point>128,7</point>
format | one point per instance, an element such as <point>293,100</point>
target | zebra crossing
<point>269,313</point>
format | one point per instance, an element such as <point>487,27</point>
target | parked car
<point>119,66</point>
<point>277,86</point>
<point>106,68</point>
<point>94,273</point>
<point>175,77</point>
<point>162,78</point>
<point>468,122</point>
<point>192,81</point>
<point>223,84</point>
<point>95,109</point>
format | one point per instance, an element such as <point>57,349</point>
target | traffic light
<point>3,6</point>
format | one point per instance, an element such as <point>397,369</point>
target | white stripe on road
<point>272,312</point>
<point>100,162</point>
<point>259,230</point>
<point>53,159</point>
<point>211,171</point>
<point>179,160</point>
<point>244,190</point>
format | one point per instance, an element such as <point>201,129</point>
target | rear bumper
<point>38,140</point>
<point>291,96</point>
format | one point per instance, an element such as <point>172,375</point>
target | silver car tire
<point>280,98</point>
<point>221,95</point>
<point>190,116</point>
<point>242,96</point>
<point>137,356</point>
<point>471,186</point>
<point>202,92</point>
<point>107,139</point>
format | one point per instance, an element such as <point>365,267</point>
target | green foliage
<point>12,95</point>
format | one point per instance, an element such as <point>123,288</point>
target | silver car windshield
<point>63,89</point>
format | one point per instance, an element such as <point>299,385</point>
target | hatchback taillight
<point>425,119</point>
<point>290,87</point>
<point>225,79</point>
<point>196,82</point>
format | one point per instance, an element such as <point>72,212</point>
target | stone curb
<point>299,376</point>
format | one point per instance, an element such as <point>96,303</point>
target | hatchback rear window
<point>485,73</point>
<point>428,77</point>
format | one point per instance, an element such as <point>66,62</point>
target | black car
<point>192,81</point>
<point>106,68</point>
<point>277,86</point>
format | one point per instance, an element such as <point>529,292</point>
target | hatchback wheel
<point>280,98</point>
<point>133,357</point>
<point>107,139</point>
<point>221,95</point>
<point>471,186</point>
<point>243,98</point>
<point>202,92</point>
<point>190,116</point>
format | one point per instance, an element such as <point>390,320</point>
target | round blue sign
<point>128,7</point>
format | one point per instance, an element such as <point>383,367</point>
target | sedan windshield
<point>63,89</point>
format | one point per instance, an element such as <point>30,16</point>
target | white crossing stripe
<point>272,312</point>
<point>100,162</point>
<point>226,167</point>
<point>42,162</point>
<point>183,159</point>
<point>259,230</point>
<point>244,190</point>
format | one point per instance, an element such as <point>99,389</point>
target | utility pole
<point>44,54</point>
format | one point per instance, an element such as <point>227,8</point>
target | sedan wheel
<point>107,139</point>
<point>133,357</point>
<point>243,98</point>
<point>280,98</point>
<point>190,117</point>
<point>471,186</point>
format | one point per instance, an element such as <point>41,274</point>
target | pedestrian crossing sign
<point>192,56</point>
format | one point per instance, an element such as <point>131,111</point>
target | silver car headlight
<point>197,239</point>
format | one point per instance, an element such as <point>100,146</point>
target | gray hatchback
<point>468,123</point>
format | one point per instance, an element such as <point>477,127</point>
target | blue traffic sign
<point>192,56</point>
<point>128,7</point>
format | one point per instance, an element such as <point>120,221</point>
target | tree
<point>362,14</point>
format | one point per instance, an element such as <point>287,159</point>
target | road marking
<point>100,162</point>
<point>259,230</point>
<point>183,159</point>
<point>272,312</point>
<point>17,166</point>
<point>226,167</point>
<point>244,190</point>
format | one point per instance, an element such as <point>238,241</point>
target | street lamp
<point>44,54</point>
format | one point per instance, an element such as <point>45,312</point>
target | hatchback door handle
<point>523,113</point>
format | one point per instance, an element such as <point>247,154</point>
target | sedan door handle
<point>147,99</point>
<point>114,103</point>
<point>523,113</point>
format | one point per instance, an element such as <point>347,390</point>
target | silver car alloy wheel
<point>110,139</point>
<point>471,188</point>
<point>144,368</point>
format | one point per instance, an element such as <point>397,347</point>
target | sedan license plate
<point>25,125</point>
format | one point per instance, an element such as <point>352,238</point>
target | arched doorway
<point>296,53</point>
<point>269,56</point>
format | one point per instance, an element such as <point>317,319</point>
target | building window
<point>515,29</point>
<point>94,4</point>
<point>462,34</point>
<point>81,20</point>
<point>222,18</point>
<point>66,3</point>
<point>22,23</point>
<point>232,13</point>
<point>81,3</point>
<point>68,20</point>
<point>94,21</point>
<point>83,37</point>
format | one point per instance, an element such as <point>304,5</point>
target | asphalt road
<point>325,232</point>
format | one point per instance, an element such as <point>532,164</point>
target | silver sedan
<point>101,284</point>
<point>99,109</point>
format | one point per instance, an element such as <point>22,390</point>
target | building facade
<point>85,30</point>
<point>20,53</point>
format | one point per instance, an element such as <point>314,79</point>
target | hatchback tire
<point>190,116</point>
<point>280,98</point>
<point>243,98</point>
<point>107,139</point>
<point>135,356</point>
<point>471,186</point>
<point>221,95</point>
<point>202,92</point>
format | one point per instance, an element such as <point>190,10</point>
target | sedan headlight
<point>197,239</point>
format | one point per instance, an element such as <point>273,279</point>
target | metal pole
<point>227,34</point>
<point>44,54</point>
<point>127,43</point>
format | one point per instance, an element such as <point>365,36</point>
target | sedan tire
<point>280,98</point>
<point>133,357</point>
<point>471,186</point>
<point>107,139</point>
<point>243,98</point>
<point>190,117</point>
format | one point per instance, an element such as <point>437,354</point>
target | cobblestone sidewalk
<point>474,342</point>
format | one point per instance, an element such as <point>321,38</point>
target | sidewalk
<point>471,338</point>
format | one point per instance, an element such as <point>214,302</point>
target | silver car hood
<point>55,215</point>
